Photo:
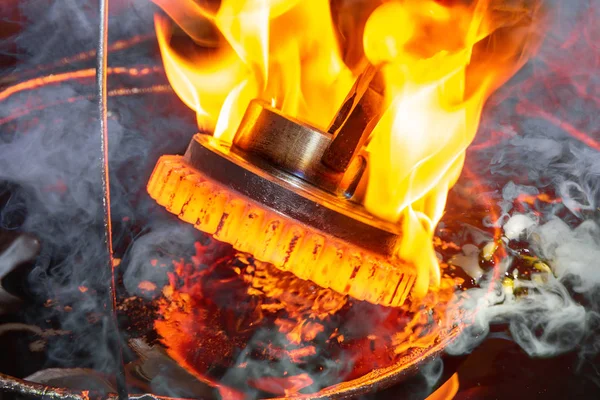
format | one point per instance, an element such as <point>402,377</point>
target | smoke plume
<point>49,149</point>
<point>546,127</point>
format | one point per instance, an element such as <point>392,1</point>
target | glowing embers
<point>275,238</point>
<point>256,329</point>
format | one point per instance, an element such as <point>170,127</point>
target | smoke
<point>547,321</point>
<point>161,243</point>
<point>49,150</point>
<point>432,372</point>
<point>248,369</point>
<point>53,30</point>
<point>550,144</point>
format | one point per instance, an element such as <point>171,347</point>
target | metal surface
<point>285,142</point>
<point>9,384</point>
<point>289,145</point>
<point>282,220</point>
<point>354,122</point>
<point>292,197</point>
<point>354,134</point>
<point>101,67</point>
<point>273,237</point>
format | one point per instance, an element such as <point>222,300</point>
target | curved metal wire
<point>101,69</point>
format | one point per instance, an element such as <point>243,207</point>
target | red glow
<point>531,200</point>
<point>59,78</point>
<point>147,286</point>
<point>287,385</point>
<point>531,109</point>
<point>219,303</point>
<point>58,187</point>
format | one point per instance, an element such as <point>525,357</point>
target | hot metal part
<point>269,194</point>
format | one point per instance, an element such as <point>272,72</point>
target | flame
<point>264,57</point>
<point>439,65</point>
<point>447,391</point>
<point>439,61</point>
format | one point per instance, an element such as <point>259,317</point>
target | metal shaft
<point>354,122</point>
<point>101,66</point>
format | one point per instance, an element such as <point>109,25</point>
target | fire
<point>440,64</point>
<point>263,57</point>
<point>447,391</point>
<point>439,61</point>
<point>239,324</point>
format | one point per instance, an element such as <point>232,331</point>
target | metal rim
<point>375,380</point>
<point>292,197</point>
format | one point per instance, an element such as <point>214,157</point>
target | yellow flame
<point>436,86</point>
<point>439,64</point>
<point>264,57</point>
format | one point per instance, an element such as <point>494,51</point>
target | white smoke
<point>551,133</point>
<point>50,151</point>
<point>547,320</point>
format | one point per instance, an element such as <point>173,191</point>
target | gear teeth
<point>310,253</point>
<point>288,247</point>
<point>271,237</point>
<point>250,226</point>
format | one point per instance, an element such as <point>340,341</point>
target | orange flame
<point>264,57</point>
<point>439,61</point>
<point>447,391</point>
<point>439,64</point>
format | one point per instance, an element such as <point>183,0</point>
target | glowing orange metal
<point>272,237</point>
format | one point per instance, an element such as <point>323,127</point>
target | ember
<point>225,313</point>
